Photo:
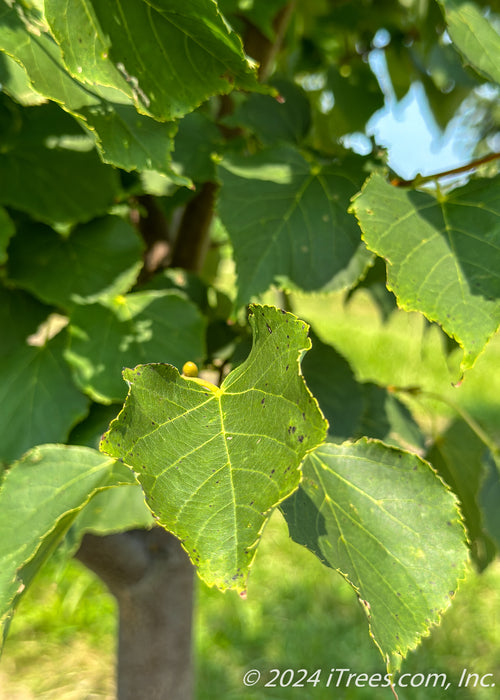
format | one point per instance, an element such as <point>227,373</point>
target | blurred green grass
<point>298,613</point>
<point>404,350</point>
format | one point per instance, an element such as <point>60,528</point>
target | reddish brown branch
<point>419,179</point>
<point>262,49</point>
<point>152,224</point>
<point>192,240</point>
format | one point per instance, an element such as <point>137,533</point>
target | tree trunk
<point>151,578</point>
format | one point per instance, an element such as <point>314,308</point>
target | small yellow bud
<point>190,369</point>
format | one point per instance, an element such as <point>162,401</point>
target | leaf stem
<point>421,179</point>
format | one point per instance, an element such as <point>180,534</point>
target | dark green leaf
<point>44,149</point>
<point>276,121</point>
<point>20,317</point>
<point>125,331</point>
<point>458,456</point>
<point>355,409</point>
<point>382,518</point>
<point>91,429</point>
<point>374,283</point>
<point>214,461</point>
<point>288,222</point>
<point>386,418</point>
<point>197,139</point>
<point>261,14</point>
<point>489,498</point>
<point>332,383</point>
<point>356,97</point>
<point>6,232</point>
<point>38,399</point>
<point>99,258</point>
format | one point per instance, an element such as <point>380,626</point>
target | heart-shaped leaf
<point>442,253</point>
<point>213,461</point>
<point>389,525</point>
<point>288,222</point>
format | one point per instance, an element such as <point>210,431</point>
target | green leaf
<point>44,148</point>
<point>355,409</point>
<point>38,399</point>
<point>140,327</point>
<point>475,36</point>
<point>90,430</point>
<point>489,498</point>
<point>168,57</point>
<point>16,84</point>
<point>40,496</point>
<point>99,258</point>
<point>196,140</point>
<point>7,230</point>
<point>442,254</point>
<point>123,137</point>
<point>261,14</point>
<point>332,383</point>
<point>356,97</point>
<point>387,523</point>
<point>458,455</point>
<point>213,461</point>
<point>386,418</point>
<point>20,317</point>
<point>273,121</point>
<point>116,510</point>
<point>288,222</point>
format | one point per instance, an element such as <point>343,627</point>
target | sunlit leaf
<point>40,496</point>
<point>124,138</point>
<point>442,254</point>
<point>168,57</point>
<point>475,35</point>
<point>387,523</point>
<point>213,461</point>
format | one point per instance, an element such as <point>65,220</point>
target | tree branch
<point>262,49</point>
<point>153,226</point>
<point>419,179</point>
<point>192,240</point>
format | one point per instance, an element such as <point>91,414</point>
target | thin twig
<point>421,179</point>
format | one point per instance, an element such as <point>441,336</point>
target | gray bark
<point>151,578</point>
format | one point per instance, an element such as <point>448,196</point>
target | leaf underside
<point>385,521</point>
<point>442,254</point>
<point>213,461</point>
